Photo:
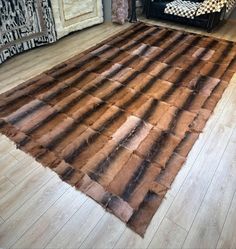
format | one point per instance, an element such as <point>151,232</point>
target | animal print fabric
<point>118,121</point>
<point>120,11</point>
<point>24,25</point>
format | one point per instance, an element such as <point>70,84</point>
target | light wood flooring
<point>38,210</point>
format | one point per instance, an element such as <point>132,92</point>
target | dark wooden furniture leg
<point>133,16</point>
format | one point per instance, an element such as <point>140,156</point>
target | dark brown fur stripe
<point>89,90</point>
<point>122,116</point>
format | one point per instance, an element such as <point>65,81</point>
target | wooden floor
<point>38,210</point>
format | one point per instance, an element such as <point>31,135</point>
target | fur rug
<point>118,121</point>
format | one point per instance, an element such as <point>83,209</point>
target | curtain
<point>120,10</point>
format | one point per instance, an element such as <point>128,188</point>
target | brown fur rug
<point>118,121</point>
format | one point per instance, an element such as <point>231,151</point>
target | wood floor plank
<point>187,202</point>
<point>129,239</point>
<point>7,162</point>
<point>106,233</point>
<point>77,229</point>
<point>30,212</point>
<point>228,235</point>
<point>16,197</point>
<point>18,154</point>
<point>50,223</point>
<point>208,224</point>
<point>22,169</point>
<point>168,236</point>
<point>16,170</point>
<point>203,138</point>
<point>5,186</point>
<point>5,146</point>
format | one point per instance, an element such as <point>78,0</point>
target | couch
<point>156,9</point>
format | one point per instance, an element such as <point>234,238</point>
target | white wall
<point>107,10</point>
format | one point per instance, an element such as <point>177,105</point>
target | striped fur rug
<point>118,121</point>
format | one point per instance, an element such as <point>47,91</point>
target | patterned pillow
<point>182,8</point>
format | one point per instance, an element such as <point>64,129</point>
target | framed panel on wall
<point>72,15</point>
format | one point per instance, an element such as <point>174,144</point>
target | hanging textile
<point>24,24</point>
<point>120,11</point>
